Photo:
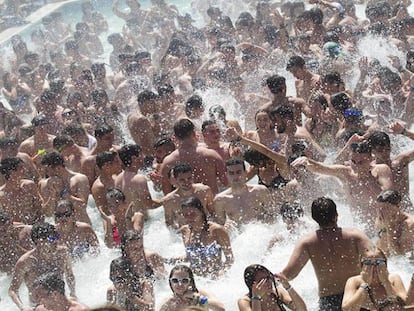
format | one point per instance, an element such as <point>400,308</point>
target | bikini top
<point>278,182</point>
<point>199,255</point>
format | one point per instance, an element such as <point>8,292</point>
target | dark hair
<point>119,265</point>
<point>127,152</point>
<point>195,202</point>
<point>316,15</point>
<point>165,90</point>
<point>275,83</point>
<point>320,99</point>
<point>62,141</point>
<point>4,217</point>
<point>341,101</point>
<point>216,110</point>
<point>116,193</point>
<point>183,128</point>
<point>333,77</point>
<point>9,164</point>
<point>167,141</point>
<point>99,95</point>
<point>192,103</point>
<point>389,196</point>
<point>361,147</point>
<point>184,268</point>
<point>235,161</point>
<point>324,211</point>
<point>250,274</point>
<point>379,139</point>
<point>207,123</point>
<point>283,111</point>
<point>67,204</point>
<point>74,129</point>
<point>181,168</point>
<point>129,235</point>
<point>102,129</point>
<point>42,230</point>
<point>40,119</point>
<point>52,159</point>
<point>51,282</point>
<point>105,157</point>
<point>291,210</point>
<point>254,157</point>
<point>295,61</point>
<point>146,96</point>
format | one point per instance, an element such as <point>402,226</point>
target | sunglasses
<point>181,281</point>
<point>54,238</point>
<point>65,214</point>
<point>374,262</point>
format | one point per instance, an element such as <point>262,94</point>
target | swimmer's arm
<point>169,214</point>
<point>220,209</point>
<point>138,221</point>
<point>410,292</point>
<point>398,128</point>
<point>339,171</point>
<point>70,277</point>
<point>354,296</point>
<point>147,300</point>
<point>384,177</point>
<point>17,280</point>
<point>210,207</point>
<point>157,264</point>
<point>297,261</point>
<point>108,233</point>
<point>224,240</point>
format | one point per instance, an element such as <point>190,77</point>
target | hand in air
<point>301,161</point>
<point>231,133</point>
<point>367,274</point>
<point>396,128</point>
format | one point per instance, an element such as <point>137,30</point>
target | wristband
<point>203,300</point>
<point>256,298</point>
<point>364,286</point>
<point>404,131</point>
<point>412,89</point>
<point>289,288</point>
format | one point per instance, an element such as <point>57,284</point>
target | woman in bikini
<point>374,288</point>
<point>186,293</point>
<point>265,294</point>
<point>265,131</point>
<point>204,242</point>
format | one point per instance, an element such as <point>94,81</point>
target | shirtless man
<point>142,124</point>
<point>18,196</point>
<point>241,203</point>
<point>47,256</point>
<point>283,117</point>
<point>104,135</point>
<point>207,164</point>
<point>162,148</point>
<point>185,188</point>
<point>277,86</point>
<point>333,251</point>
<point>381,149</point>
<point>62,183</point>
<point>396,227</point>
<point>133,184</point>
<point>362,179</point>
<point>109,166</point>
<point>77,236</point>
<point>306,83</point>
<point>51,288</point>
<point>212,139</point>
<point>118,221</point>
<point>15,241</point>
<point>72,153</point>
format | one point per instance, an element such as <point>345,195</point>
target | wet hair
<point>127,236</point>
<point>331,36</point>
<point>71,45</point>
<point>235,161</point>
<point>8,141</point>
<point>333,77</point>
<point>379,139</point>
<point>8,165</point>
<point>316,15</point>
<point>206,123</point>
<point>165,90</point>
<point>167,141</point>
<point>62,141</point>
<point>361,147</point>
<point>116,193</point>
<point>291,210</point>
<point>97,67</point>
<point>119,266</point>
<point>4,217</point>
<point>146,96</point>
<point>283,111</point>
<point>195,202</point>
<point>245,19</point>
<point>254,157</point>
<point>275,83</point>
<point>183,129</point>
<point>295,61</point>
<point>184,268</point>
<point>250,274</point>
<point>74,129</point>
<point>102,129</point>
<point>52,159</point>
<point>40,119</point>
<point>41,231</point>
<point>324,211</point>
<point>99,95</point>
<point>375,9</point>
<point>105,157</point>
<point>51,282</point>
<point>181,168</point>
<point>389,196</point>
<point>341,101</point>
<point>65,204</point>
<point>127,152</point>
<point>319,99</point>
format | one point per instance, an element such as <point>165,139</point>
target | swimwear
<point>331,303</point>
<point>115,235</point>
<point>278,182</point>
<point>81,249</point>
<point>199,255</point>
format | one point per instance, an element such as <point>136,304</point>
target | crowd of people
<point>134,133</point>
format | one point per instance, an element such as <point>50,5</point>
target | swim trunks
<point>331,303</point>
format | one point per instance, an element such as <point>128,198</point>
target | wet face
<point>382,153</point>
<point>372,264</point>
<point>113,204</point>
<point>185,181</point>
<point>63,215</point>
<point>212,133</point>
<point>262,275</point>
<point>192,214</point>
<point>236,174</point>
<point>180,282</point>
<point>297,72</point>
<point>263,121</point>
<point>360,159</point>
<point>160,153</point>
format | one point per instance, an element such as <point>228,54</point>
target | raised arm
<point>297,261</point>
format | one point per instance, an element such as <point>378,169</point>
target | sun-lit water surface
<point>249,245</point>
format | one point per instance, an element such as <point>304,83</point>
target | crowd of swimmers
<point>131,130</point>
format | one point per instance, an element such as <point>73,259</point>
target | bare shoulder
<point>170,197</point>
<point>28,184</point>
<point>139,179</point>
<point>83,226</point>
<point>209,153</point>
<point>222,195</point>
<point>79,177</point>
<point>200,187</point>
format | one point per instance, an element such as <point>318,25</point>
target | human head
<point>361,154</point>
<point>392,197</point>
<point>118,271</point>
<point>324,212</point>
<point>290,213</point>
<point>296,65</point>
<point>78,133</point>
<point>194,107</point>
<point>9,165</point>
<point>163,147</point>
<point>114,197</point>
<point>104,131</point>
<point>50,282</point>
<point>64,209</point>
<point>341,101</point>
<point>276,85</point>
<point>184,129</point>
<point>262,120</point>
<point>381,145</point>
<point>183,175</point>
<point>191,204</point>
<point>105,158</point>
<point>182,269</point>
<point>62,141</point>
<point>332,82</point>
<point>217,113</point>
<point>40,121</point>
<point>236,171</point>
<point>43,231</point>
<point>53,159</point>
<point>283,117</point>
<point>147,102</point>
<point>255,273</point>
<point>254,157</point>
<point>127,240</point>
<point>127,152</point>
<point>211,131</point>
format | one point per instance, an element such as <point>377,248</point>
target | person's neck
<point>238,188</point>
<point>187,143</point>
<point>107,178</point>
<point>212,145</point>
<point>133,168</point>
<point>185,193</point>
<point>331,227</point>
